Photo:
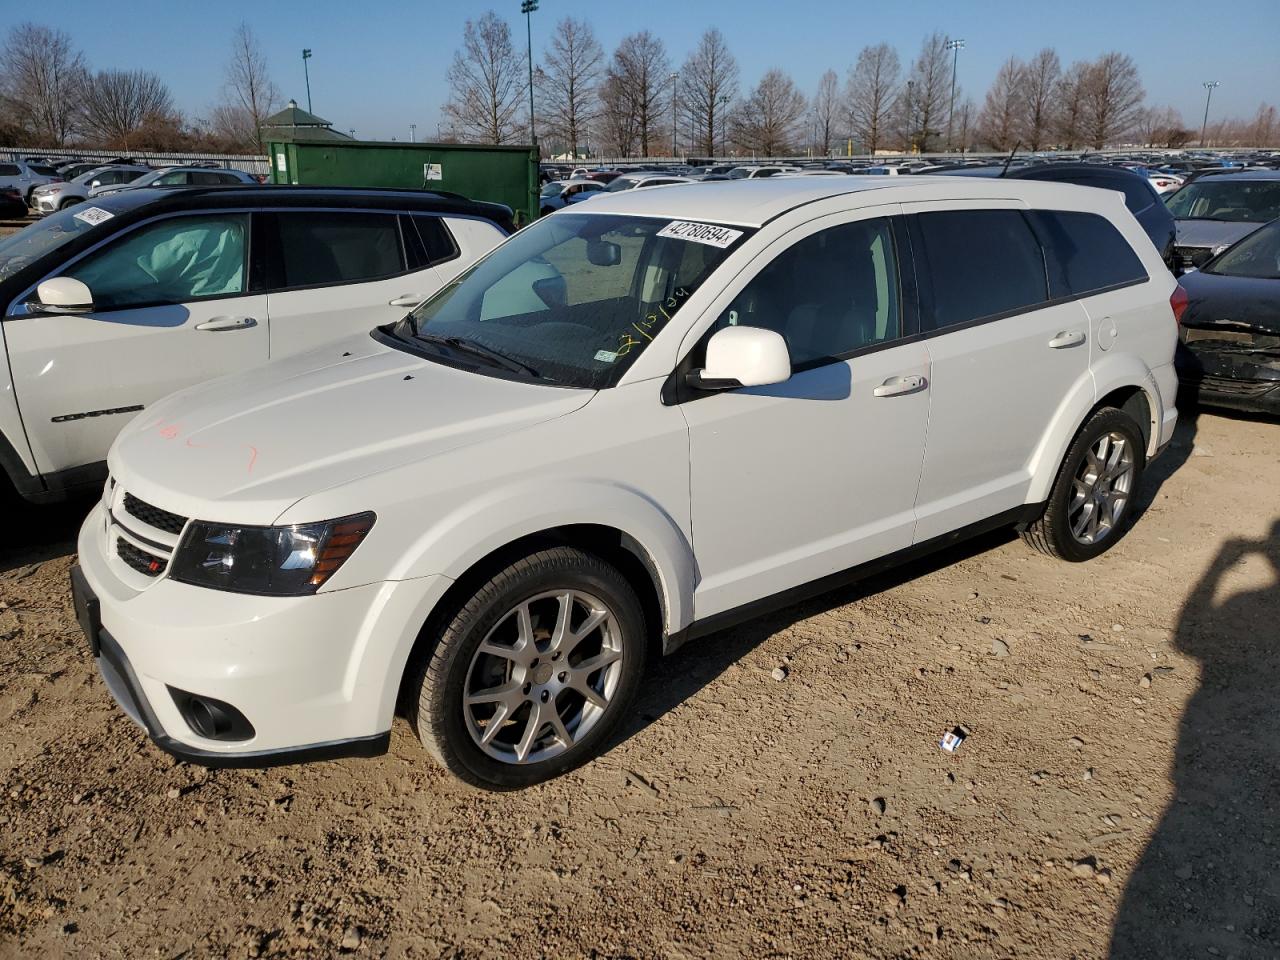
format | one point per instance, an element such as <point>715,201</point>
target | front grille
<point>147,564</point>
<point>153,516</point>
<point>1193,256</point>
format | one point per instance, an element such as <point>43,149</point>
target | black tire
<point>436,693</point>
<point>1052,534</point>
<point>67,203</point>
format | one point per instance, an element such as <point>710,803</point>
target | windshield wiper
<point>494,357</point>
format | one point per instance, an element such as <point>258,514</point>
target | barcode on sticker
<point>707,233</point>
<point>606,356</point>
<point>94,216</point>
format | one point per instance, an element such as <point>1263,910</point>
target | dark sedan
<point>1230,331</point>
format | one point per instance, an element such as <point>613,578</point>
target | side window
<point>9,170</point>
<point>982,263</point>
<point>169,261</point>
<point>226,178</point>
<point>437,242</point>
<point>1084,253</point>
<point>202,179</point>
<point>338,247</point>
<point>177,177</point>
<point>828,295</point>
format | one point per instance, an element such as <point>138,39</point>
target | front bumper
<point>1212,375</point>
<point>316,677</point>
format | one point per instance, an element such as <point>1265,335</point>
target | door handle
<point>898,386</point>
<point>1067,338</point>
<point>406,300</point>
<point>219,324</point>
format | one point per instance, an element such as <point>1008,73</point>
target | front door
<point>171,310</point>
<point>792,482</point>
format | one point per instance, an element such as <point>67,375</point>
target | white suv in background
<point>632,423</point>
<point>116,302</point>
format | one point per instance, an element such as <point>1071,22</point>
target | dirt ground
<point>1116,794</point>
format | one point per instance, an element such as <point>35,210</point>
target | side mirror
<point>63,295</point>
<point>94,183</point>
<point>602,253</point>
<point>743,357</point>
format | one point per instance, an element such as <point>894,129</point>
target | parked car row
<point>482,476</point>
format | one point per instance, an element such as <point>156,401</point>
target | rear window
<point>982,263</point>
<point>336,247</point>
<point>1084,253</point>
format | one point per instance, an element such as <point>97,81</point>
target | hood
<point>1212,233</point>
<point>1239,303</point>
<point>244,448</point>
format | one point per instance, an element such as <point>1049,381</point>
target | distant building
<point>294,123</point>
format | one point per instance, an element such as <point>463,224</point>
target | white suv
<point>627,425</point>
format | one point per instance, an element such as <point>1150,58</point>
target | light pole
<point>954,46</point>
<point>675,125</point>
<point>306,55</point>
<point>1208,86</point>
<point>527,7</point>
<point>413,133</point>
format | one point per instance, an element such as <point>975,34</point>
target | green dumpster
<point>497,174</point>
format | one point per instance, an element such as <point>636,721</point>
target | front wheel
<point>1091,504</point>
<point>535,671</point>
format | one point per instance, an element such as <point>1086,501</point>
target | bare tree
<point>708,83</point>
<point>638,80</point>
<point>766,122</point>
<point>1113,95</point>
<point>120,104</point>
<point>1264,129</point>
<point>42,77</point>
<point>486,84</point>
<point>962,129</point>
<point>924,108</point>
<point>1038,96</point>
<point>249,96</point>
<point>826,110</point>
<point>569,82</point>
<point>1070,95</point>
<point>999,122</point>
<point>870,91</point>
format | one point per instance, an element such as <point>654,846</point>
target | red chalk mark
<point>193,445</point>
<point>253,456</point>
<point>171,431</point>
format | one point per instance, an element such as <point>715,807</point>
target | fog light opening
<point>210,718</point>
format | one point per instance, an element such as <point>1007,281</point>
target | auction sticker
<point>94,216</point>
<point>700,233</point>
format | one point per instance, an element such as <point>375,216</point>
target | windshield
<point>1248,201</point>
<point>33,242</point>
<point>1257,255</point>
<point>573,298</point>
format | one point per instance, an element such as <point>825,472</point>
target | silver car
<point>24,176</point>
<point>53,197</point>
<point>181,177</point>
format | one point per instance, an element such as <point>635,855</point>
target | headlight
<point>269,561</point>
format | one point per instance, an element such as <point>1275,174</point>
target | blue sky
<point>380,65</point>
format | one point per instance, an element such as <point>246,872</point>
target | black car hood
<point>1212,233</point>
<point>1239,303</point>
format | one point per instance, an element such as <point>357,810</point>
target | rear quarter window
<point>1084,253</point>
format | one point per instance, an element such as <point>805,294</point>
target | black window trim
<point>453,241</point>
<point>928,327</point>
<point>676,389</point>
<point>249,261</point>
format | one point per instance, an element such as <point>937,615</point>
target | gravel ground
<point>1115,795</point>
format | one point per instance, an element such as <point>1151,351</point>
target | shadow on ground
<point>1208,884</point>
<point>34,534</point>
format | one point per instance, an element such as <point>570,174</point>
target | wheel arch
<point>1126,385</point>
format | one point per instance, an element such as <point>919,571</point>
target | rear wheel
<point>531,676</point>
<point>1090,506</point>
<point>71,202</point>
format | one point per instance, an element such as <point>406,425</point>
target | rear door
<point>337,272</point>
<point>175,305</point>
<point>1004,358</point>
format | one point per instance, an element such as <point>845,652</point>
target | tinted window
<point>177,177</point>
<point>42,170</point>
<point>9,170</point>
<point>320,248</point>
<point>981,262</point>
<point>1084,252</point>
<point>171,261</point>
<point>1253,201</point>
<point>828,295</point>
<point>437,242</point>
<point>1257,255</point>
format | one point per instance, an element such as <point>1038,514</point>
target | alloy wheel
<point>543,677</point>
<point>1101,488</point>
